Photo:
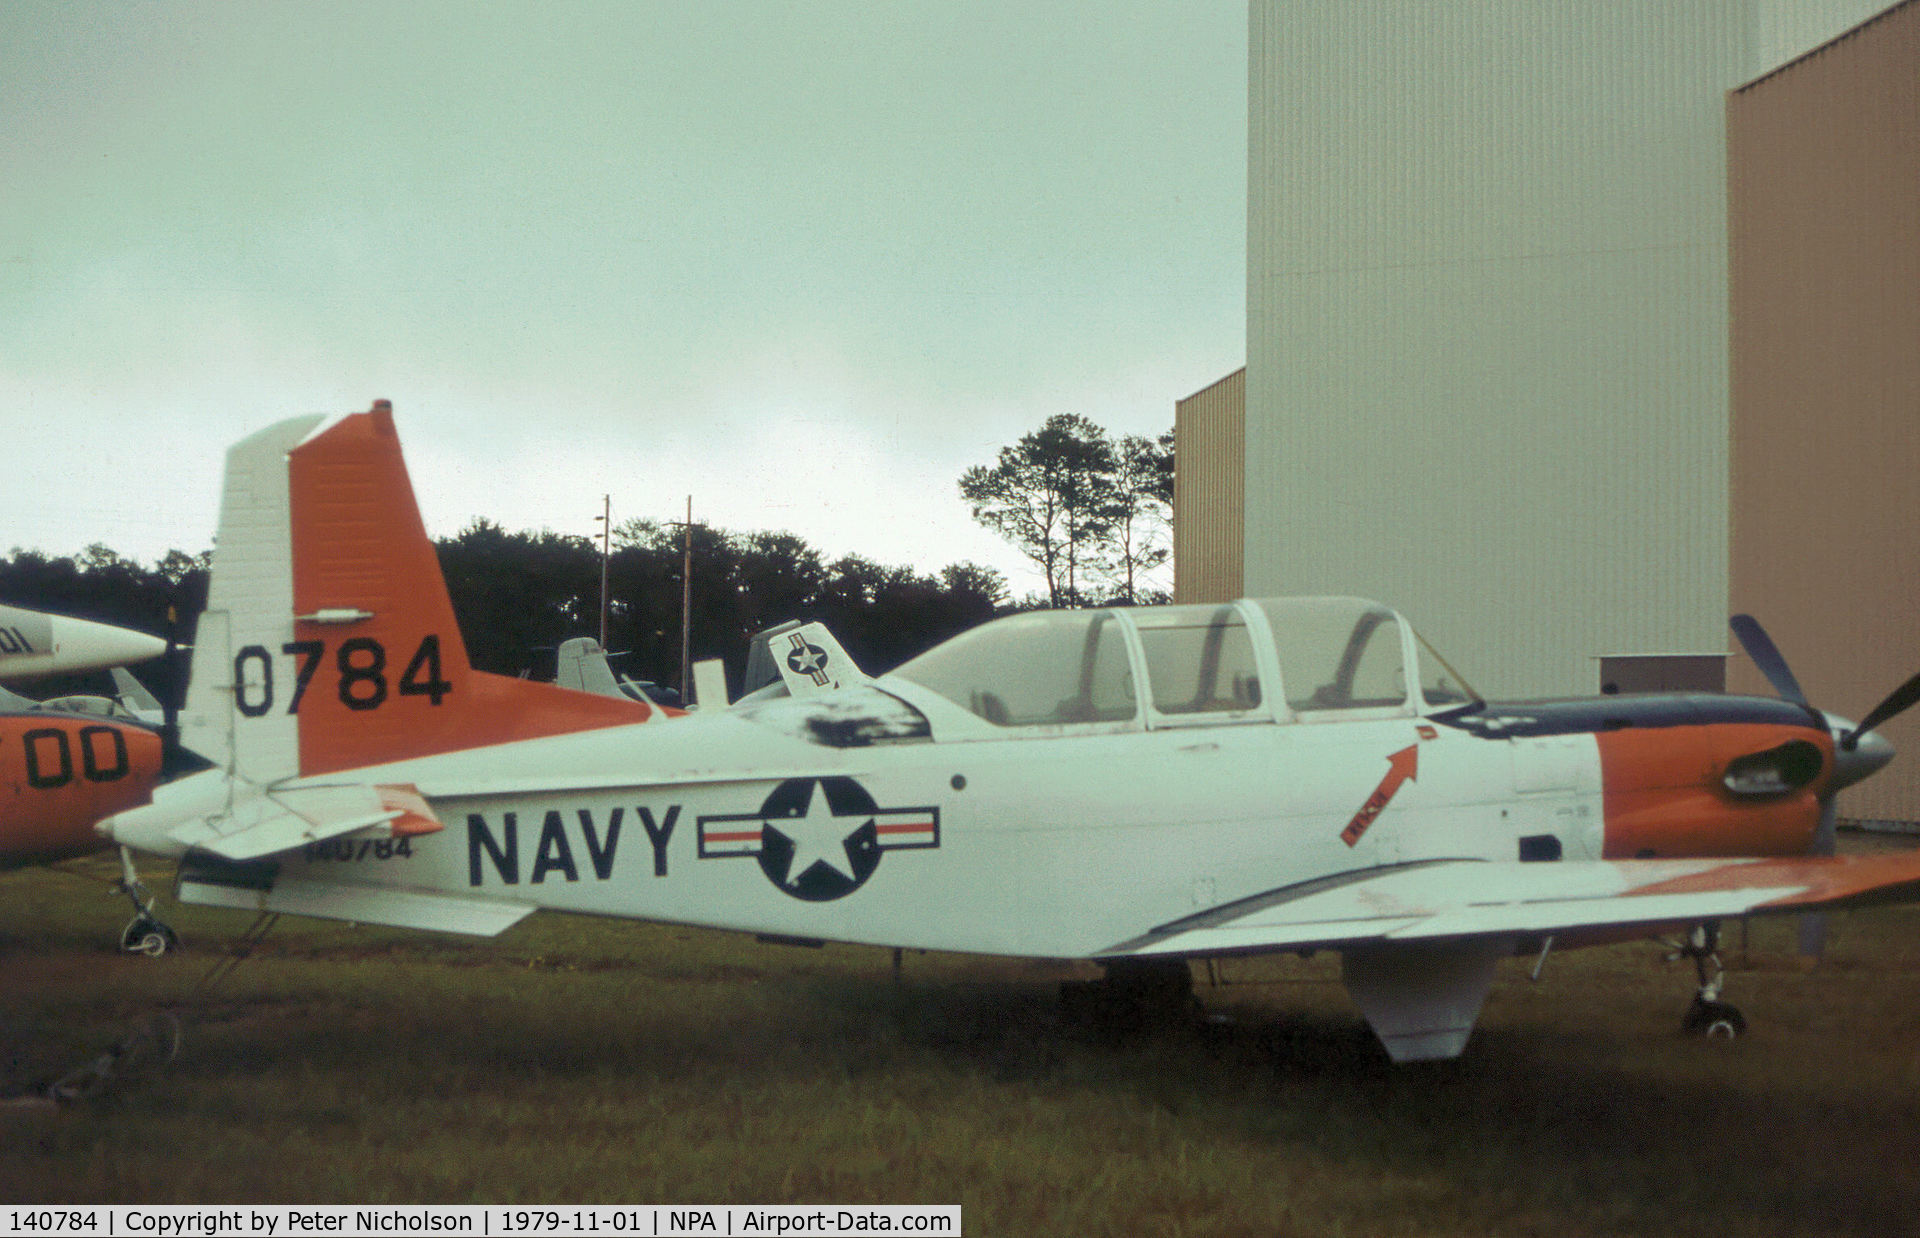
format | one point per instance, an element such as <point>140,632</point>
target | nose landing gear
<point>146,933</point>
<point>1707,1015</point>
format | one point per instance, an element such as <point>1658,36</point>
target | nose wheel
<point>1713,1020</point>
<point>148,936</point>
<point>146,933</point>
<point>1707,1015</point>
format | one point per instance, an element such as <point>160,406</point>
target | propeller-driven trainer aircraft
<point>61,771</point>
<point>65,764</point>
<point>1137,787</point>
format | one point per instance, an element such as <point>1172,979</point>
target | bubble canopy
<point>1262,659</point>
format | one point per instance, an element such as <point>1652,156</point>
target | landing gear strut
<point>146,933</point>
<point>1707,1015</point>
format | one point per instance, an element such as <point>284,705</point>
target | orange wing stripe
<point>1828,879</point>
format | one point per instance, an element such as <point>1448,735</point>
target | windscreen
<point>1337,653</point>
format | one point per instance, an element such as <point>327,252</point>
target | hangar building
<point>1571,326</point>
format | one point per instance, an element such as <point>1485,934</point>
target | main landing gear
<point>1133,996</point>
<point>146,933</point>
<point>1707,1015</point>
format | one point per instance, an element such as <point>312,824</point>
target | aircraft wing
<point>1460,900</point>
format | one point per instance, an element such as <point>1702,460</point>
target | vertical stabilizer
<point>580,664</point>
<point>329,641</point>
<point>804,656</point>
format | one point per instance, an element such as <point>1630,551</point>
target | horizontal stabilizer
<point>446,913</point>
<point>285,820</point>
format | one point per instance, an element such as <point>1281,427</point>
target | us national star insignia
<point>818,839</point>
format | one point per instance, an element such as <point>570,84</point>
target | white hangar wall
<point>1487,325</point>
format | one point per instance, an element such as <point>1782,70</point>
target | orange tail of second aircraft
<point>329,641</point>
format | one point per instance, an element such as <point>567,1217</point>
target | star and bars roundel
<point>806,658</point>
<point>819,839</point>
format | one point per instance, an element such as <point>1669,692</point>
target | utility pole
<point>686,603</point>
<point>606,541</point>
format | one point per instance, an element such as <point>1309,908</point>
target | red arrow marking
<point>1401,766</point>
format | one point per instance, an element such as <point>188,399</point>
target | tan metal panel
<point>1486,312</point>
<point>1210,429</point>
<point>1824,198</point>
<point>1789,29</point>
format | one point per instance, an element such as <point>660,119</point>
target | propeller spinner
<point>1858,750</point>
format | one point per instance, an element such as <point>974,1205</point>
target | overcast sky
<point>806,262</point>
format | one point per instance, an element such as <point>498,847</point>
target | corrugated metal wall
<point>1791,28</point>
<point>1824,192</point>
<point>1486,311</point>
<point>1209,487</point>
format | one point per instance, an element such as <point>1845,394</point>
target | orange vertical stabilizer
<point>380,667</point>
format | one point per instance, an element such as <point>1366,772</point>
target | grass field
<point>584,1061</point>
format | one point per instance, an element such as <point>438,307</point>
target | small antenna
<point>605,520</point>
<point>686,602</point>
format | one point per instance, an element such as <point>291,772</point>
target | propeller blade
<point>1897,702</point>
<point>1766,655</point>
<point>1813,928</point>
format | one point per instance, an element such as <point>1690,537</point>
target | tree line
<point>517,595</point>
<point>1091,511</point>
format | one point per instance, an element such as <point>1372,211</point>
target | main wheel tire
<point>1714,1020</point>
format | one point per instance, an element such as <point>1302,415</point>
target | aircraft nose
<point>97,644</point>
<point>1869,753</point>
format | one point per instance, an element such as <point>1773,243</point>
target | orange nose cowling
<point>1664,796</point>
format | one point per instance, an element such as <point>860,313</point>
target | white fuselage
<point>1054,846</point>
